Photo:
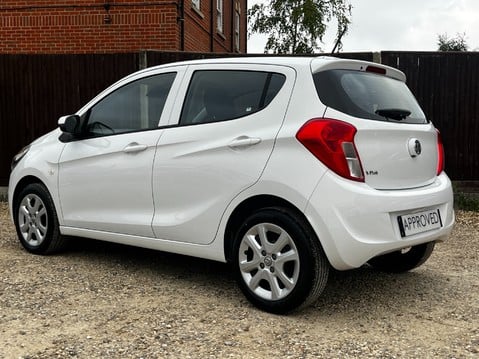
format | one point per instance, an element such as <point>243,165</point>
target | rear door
<point>396,144</point>
<point>221,136</point>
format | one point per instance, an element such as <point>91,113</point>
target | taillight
<point>332,142</point>
<point>376,70</point>
<point>440,154</point>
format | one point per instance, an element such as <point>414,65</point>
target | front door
<point>105,177</point>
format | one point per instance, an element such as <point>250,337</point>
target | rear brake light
<point>440,154</point>
<point>376,70</point>
<point>332,142</point>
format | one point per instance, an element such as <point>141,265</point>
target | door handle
<point>134,147</point>
<point>244,141</point>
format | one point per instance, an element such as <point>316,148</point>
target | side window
<point>134,107</point>
<point>220,95</point>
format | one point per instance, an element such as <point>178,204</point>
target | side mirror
<point>69,124</point>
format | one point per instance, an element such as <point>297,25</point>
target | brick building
<point>101,26</point>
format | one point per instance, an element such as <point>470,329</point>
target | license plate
<point>419,222</point>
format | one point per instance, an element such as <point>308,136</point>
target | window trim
<point>196,4</point>
<point>219,16</point>
<point>237,21</point>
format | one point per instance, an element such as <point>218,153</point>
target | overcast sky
<point>408,25</point>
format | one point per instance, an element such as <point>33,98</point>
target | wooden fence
<point>36,89</point>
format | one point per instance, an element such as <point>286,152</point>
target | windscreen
<point>368,95</point>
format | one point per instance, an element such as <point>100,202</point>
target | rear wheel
<point>404,260</point>
<point>36,220</point>
<point>278,261</point>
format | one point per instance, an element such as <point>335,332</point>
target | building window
<point>219,15</point>
<point>196,3</point>
<point>237,31</point>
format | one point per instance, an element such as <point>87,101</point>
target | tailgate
<point>397,158</point>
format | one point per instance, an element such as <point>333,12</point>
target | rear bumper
<point>355,222</point>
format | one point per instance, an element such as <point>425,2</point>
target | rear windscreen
<point>365,94</point>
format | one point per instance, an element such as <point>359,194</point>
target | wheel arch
<point>247,207</point>
<point>25,181</point>
<point>42,234</point>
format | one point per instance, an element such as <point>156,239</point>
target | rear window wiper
<point>396,114</point>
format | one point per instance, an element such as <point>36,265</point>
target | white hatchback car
<point>280,166</point>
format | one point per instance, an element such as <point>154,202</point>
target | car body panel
<point>41,162</point>
<point>200,168</point>
<point>102,187</point>
<point>356,222</point>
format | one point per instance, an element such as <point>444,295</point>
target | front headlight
<point>17,158</point>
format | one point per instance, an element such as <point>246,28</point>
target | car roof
<point>269,60</point>
<point>315,63</point>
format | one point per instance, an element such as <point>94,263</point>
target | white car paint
<point>198,170</point>
<point>173,196</point>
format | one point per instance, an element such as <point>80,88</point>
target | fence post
<point>143,60</point>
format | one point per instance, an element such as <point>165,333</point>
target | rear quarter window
<point>363,94</point>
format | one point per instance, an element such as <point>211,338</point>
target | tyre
<point>36,220</point>
<point>278,261</point>
<point>405,260</point>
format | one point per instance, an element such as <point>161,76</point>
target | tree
<point>458,43</point>
<point>296,26</point>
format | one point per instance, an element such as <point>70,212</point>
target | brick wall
<point>201,31</point>
<point>39,26</point>
<point>197,26</point>
<point>85,26</point>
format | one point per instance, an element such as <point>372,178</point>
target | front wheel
<point>403,260</point>
<point>36,220</point>
<point>278,261</point>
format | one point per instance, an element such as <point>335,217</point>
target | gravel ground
<point>99,300</point>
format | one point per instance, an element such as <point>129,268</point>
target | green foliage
<point>457,43</point>
<point>464,198</point>
<point>296,26</point>
<point>466,202</point>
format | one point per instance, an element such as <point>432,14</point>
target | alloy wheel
<point>269,261</point>
<point>33,220</point>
